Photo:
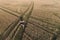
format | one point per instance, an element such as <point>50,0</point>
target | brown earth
<point>44,10</point>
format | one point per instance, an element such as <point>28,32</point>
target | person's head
<point>21,18</point>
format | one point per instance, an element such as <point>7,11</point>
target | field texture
<point>42,20</point>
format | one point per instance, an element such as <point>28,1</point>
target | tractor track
<point>11,27</point>
<point>15,28</point>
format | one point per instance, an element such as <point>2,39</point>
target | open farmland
<point>42,20</point>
